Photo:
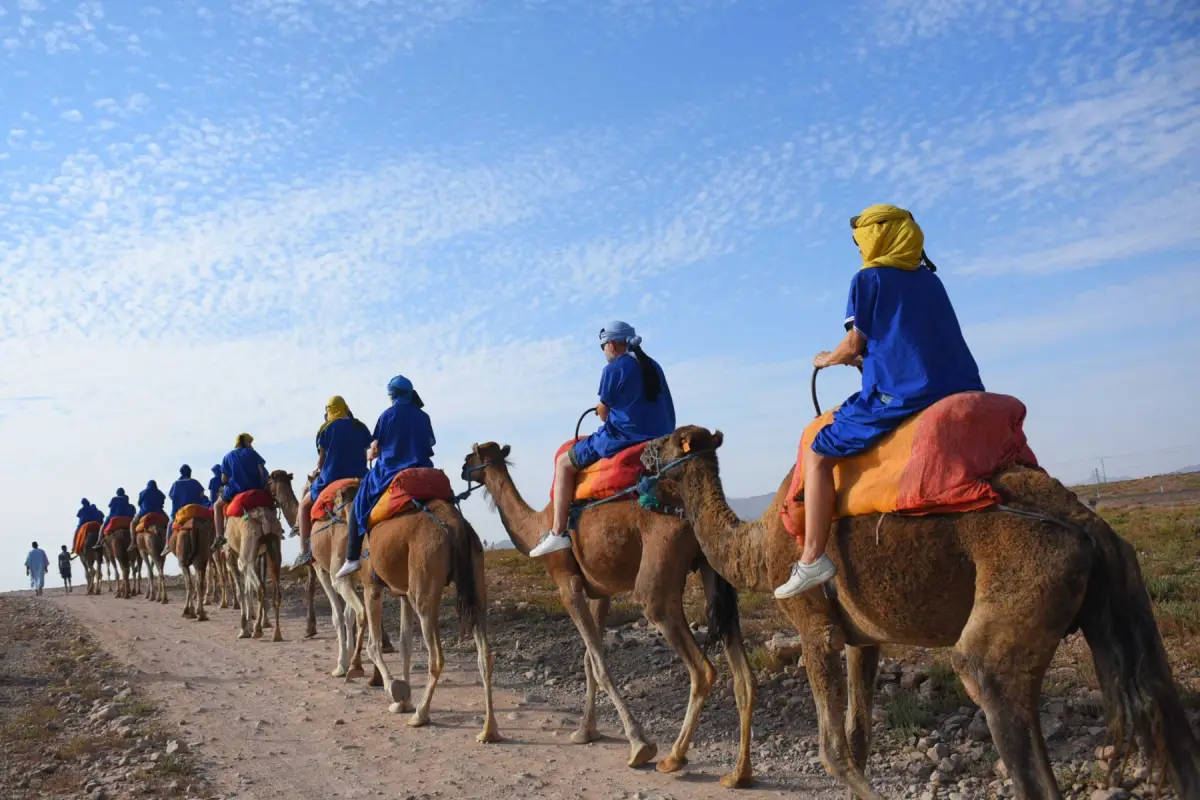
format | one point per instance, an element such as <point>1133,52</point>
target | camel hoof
<point>224,604</point>
<point>488,735</point>
<point>243,635</point>
<point>641,754</point>
<point>376,679</point>
<point>400,691</point>
<point>187,613</point>
<point>672,764</point>
<point>236,607</point>
<point>387,648</point>
<point>397,708</point>
<point>258,634</point>
<point>418,720</point>
<point>202,617</point>
<point>309,634</point>
<point>734,781</point>
<point>355,672</point>
<point>585,737</point>
<point>278,637</point>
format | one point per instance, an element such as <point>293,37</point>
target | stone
<point>175,746</point>
<point>784,646</point>
<point>920,770</point>
<point>978,730</point>
<point>1110,794</point>
<point>937,752</point>
<point>124,694</point>
<point>1052,727</point>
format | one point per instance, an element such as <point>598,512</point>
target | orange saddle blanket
<point>937,462</point>
<point>608,475</point>
<point>245,502</point>
<point>117,523</point>
<point>81,535</point>
<point>324,505</point>
<point>191,511</point>
<point>419,483</point>
<point>153,518</point>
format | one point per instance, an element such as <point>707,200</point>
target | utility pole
<point>1104,472</point>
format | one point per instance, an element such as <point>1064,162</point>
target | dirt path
<point>269,721</point>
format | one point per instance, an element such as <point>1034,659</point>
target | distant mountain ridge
<point>748,508</point>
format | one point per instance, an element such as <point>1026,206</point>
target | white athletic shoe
<point>349,568</point>
<point>550,542</point>
<point>807,576</point>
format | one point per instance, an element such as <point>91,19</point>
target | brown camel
<point>1001,589</point>
<point>219,568</point>
<point>135,564</point>
<point>191,545</point>
<point>93,563</point>
<point>116,550</point>
<point>254,542</point>
<point>150,547</point>
<point>622,547</point>
<point>416,555</point>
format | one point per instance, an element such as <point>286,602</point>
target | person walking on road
<point>37,564</point>
<point>64,568</point>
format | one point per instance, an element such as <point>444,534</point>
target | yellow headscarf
<point>888,237</point>
<point>335,409</point>
<point>243,440</point>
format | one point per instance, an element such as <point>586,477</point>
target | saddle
<point>608,475</point>
<point>411,486</point>
<point>325,504</point>
<point>192,511</point>
<point>85,536</point>
<point>245,502</point>
<point>152,519</point>
<point>117,524</point>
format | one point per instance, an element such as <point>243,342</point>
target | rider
<point>119,506</point>
<point>88,513</point>
<point>214,485</point>
<point>342,444</point>
<point>403,439</point>
<point>635,406</point>
<point>184,492</point>
<point>150,501</point>
<point>902,331</point>
<point>242,470</point>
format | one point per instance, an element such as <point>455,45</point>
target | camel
<point>621,547</point>
<point>135,564</point>
<point>255,539</point>
<point>192,545</point>
<point>116,550</point>
<point>219,566</point>
<point>1001,587</point>
<point>93,561</point>
<point>416,555</point>
<point>149,546</point>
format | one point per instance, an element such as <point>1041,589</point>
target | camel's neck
<point>285,498</point>
<point>524,524</point>
<point>738,550</point>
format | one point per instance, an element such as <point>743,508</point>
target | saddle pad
<point>81,536</point>
<point>936,462</point>
<point>151,519</point>
<point>117,523</point>
<point>419,483</point>
<point>244,502</point>
<point>190,512</point>
<point>325,500</point>
<point>608,475</point>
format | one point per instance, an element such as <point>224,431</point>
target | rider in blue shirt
<point>214,485</point>
<point>118,506</point>
<point>342,444</point>
<point>403,438</point>
<point>242,470</point>
<point>903,332</point>
<point>635,406</point>
<point>184,492</point>
<point>151,500</point>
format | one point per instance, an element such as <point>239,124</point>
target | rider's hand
<point>823,359</point>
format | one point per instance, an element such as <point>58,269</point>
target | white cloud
<point>71,115</point>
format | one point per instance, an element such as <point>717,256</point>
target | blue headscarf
<point>185,471</point>
<point>120,492</point>
<point>618,331</point>
<point>217,470</point>
<point>400,390</point>
<point>84,502</point>
<point>151,485</point>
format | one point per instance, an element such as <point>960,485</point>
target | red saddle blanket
<point>117,523</point>
<point>185,515</point>
<point>419,483</point>
<point>325,505</point>
<point>939,461</point>
<point>81,535</point>
<point>248,501</point>
<point>608,475</point>
<point>151,519</point>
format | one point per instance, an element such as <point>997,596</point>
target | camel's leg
<point>162,578</point>
<point>744,691</point>
<point>862,666</point>
<point>667,615</point>
<point>406,633</point>
<point>201,589</point>
<point>310,613</point>
<point>483,655</point>
<point>189,586</point>
<point>242,590</point>
<point>1001,658</point>
<point>427,602</point>
<point>275,566</point>
<point>373,597</point>
<point>151,586</point>
<point>338,607</point>
<point>641,750</point>
<point>266,598</point>
<point>587,730</point>
<point>354,605</point>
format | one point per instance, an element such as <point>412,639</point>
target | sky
<point>214,215</point>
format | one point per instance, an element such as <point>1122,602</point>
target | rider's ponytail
<point>651,384</point>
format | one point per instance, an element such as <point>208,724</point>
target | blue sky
<point>214,215</point>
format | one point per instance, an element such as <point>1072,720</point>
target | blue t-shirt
<point>89,513</point>
<point>151,500</point>
<point>214,488</point>
<point>345,442</point>
<point>185,492</point>
<point>240,468</point>
<point>120,507</point>
<point>632,417</point>
<point>916,353</point>
<point>405,437</point>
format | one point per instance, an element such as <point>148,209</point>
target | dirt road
<point>269,721</point>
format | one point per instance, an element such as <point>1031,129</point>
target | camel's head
<point>482,456</point>
<point>685,441</point>
<point>279,479</point>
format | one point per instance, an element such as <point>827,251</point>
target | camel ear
<point>504,451</point>
<point>290,476</point>
<point>718,439</point>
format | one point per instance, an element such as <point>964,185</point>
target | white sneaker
<point>550,542</point>
<point>349,568</point>
<point>807,576</point>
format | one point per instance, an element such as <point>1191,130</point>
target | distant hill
<point>1187,470</point>
<point>748,508</point>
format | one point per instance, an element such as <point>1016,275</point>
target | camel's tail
<point>724,621</point>
<point>466,547</point>
<point>187,548</point>
<point>1131,664</point>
